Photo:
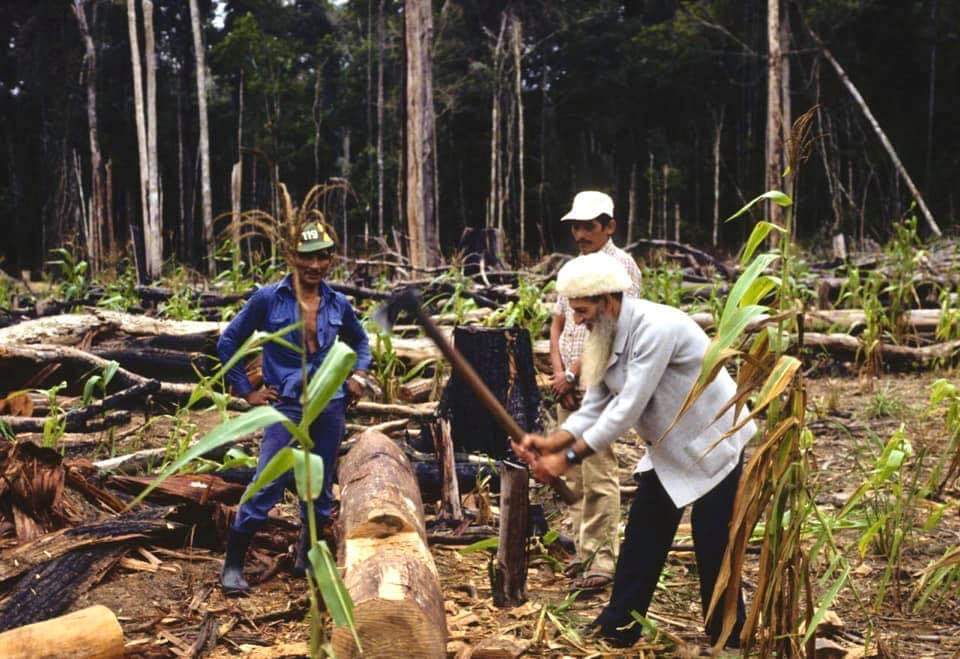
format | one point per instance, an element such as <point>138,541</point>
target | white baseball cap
<point>589,205</point>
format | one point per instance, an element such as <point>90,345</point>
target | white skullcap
<point>589,205</point>
<point>592,274</point>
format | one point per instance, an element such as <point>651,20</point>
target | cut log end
<point>91,633</point>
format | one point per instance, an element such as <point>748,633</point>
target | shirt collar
<point>609,247</point>
<point>287,284</point>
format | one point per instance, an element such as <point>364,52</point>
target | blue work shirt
<point>274,307</point>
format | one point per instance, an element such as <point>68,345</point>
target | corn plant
<point>55,425</point>
<point>74,276</point>
<point>99,382</point>
<point>387,368</point>
<point>775,483</point>
<point>945,396</point>
<point>121,293</point>
<point>885,502</point>
<point>529,311</point>
<point>663,284</point>
<point>323,578</point>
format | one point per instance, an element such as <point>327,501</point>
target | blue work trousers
<point>327,433</point>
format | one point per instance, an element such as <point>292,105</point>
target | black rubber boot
<point>303,546</point>
<point>231,577</point>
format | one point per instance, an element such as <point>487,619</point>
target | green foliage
<point>54,426</point>
<point>884,404</point>
<point>8,294</point>
<point>529,311</point>
<point>945,397</point>
<point>183,303</point>
<point>121,293</point>
<point>886,503</point>
<point>387,368</point>
<point>99,382</point>
<point>73,275</point>
<point>663,285</point>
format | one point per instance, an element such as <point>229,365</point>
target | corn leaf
<point>777,197</point>
<point>332,589</point>
<point>326,381</point>
<point>279,464</point>
<point>480,545</point>
<point>760,231</point>
<point>826,600</point>
<point>307,466</point>
<point>226,432</point>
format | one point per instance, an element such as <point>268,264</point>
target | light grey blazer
<point>657,355</point>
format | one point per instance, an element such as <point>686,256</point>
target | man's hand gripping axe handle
<point>408,300</point>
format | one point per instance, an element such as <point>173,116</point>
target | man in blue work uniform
<point>326,316</point>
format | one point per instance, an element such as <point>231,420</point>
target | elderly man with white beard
<point>640,361</point>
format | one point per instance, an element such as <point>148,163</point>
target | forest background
<point>662,103</point>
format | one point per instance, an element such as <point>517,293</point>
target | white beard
<point>596,351</point>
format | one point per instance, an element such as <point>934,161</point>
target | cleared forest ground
<point>163,609</point>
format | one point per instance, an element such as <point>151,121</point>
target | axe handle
<point>479,387</point>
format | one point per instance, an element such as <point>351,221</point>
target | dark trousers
<point>647,539</point>
<point>327,433</point>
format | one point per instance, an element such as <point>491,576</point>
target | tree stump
<point>388,569</point>
<point>503,358</point>
<point>508,574</point>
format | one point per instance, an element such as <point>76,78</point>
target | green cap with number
<point>313,238</point>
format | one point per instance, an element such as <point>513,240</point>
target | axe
<point>408,300</point>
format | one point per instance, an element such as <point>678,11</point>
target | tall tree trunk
<point>651,174</point>
<point>421,154</point>
<point>236,184</point>
<point>789,182</point>
<point>518,78</point>
<point>717,132</point>
<point>632,203</point>
<point>774,144</point>
<point>182,250</point>
<point>96,212</point>
<point>380,48</point>
<point>140,121</point>
<point>317,112</point>
<point>887,145</point>
<point>931,97</point>
<point>206,198</point>
<point>153,238</point>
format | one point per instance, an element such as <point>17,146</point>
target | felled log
<point>918,320</point>
<point>388,569</point>
<point>370,408</point>
<point>508,574</point>
<point>77,419</point>
<point>183,488</point>
<point>160,363</point>
<point>92,632</point>
<point>844,346</point>
<point>416,391</point>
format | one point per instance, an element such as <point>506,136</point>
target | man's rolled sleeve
<point>648,361</point>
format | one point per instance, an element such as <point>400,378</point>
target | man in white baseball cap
<point>640,361</point>
<point>596,517</point>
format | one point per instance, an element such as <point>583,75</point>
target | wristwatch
<point>572,457</point>
<point>569,376</point>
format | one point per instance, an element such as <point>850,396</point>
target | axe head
<point>404,300</point>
